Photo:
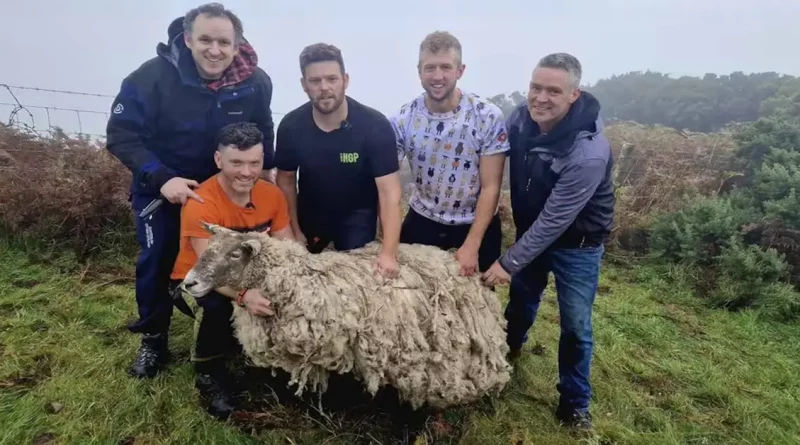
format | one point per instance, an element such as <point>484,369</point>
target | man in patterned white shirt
<point>456,144</point>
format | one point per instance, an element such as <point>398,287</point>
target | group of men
<point>194,125</point>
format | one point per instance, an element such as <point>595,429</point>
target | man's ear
<point>460,71</point>
<point>252,246</point>
<point>576,93</point>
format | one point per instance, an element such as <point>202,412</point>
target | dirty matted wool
<point>436,337</point>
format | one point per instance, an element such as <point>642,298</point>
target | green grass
<point>666,371</point>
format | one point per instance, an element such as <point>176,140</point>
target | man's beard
<point>337,102</point>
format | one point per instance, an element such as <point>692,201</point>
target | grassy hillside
<point>666,371</point>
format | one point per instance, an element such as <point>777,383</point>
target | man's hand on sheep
<point>386,265</point>
<point>257,304</point>
<point>496,275</point>
<point>467,257</point>
<point>178,190</point>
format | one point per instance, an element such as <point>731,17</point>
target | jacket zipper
<point>528,185</point>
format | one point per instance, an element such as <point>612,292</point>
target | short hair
<point>214,10</point>
<point>240,135</point>
<point>320,52</point>
<point>440,41</point>
<point>566,62</point>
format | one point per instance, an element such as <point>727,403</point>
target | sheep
<point>436,337</point>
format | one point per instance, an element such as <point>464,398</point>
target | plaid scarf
<point>242,67</point>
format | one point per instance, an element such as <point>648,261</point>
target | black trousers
<point>346,232</point>
<point>417,229</point>
<point>213,332</point>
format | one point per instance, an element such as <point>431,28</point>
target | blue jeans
<point>576,274</point>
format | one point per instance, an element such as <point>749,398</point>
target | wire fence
<point>40,120</point>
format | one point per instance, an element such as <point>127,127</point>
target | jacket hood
<point>172,49</point>
<point>178,54</point>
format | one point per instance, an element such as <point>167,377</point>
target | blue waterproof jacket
<point>164,120</point>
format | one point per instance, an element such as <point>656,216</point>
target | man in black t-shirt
<point>346,157</point>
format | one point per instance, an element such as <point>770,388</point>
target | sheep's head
<point>223,262</point>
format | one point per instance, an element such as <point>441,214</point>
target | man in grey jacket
<point>562,200</point>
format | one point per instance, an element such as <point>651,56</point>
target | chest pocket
<point>542,170</point>
<point>236,105</point>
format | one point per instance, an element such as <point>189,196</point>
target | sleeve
<point>281,219</point>
<point>495,134</point>
<point>264,121</point>
<point>285,151</point>
<point>381,147</point>
<point>130,127</point>
<point>194,213</point>
<point>398,126</point>
<point>572,191</point>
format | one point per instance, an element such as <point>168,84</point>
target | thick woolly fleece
<point>436,337</point>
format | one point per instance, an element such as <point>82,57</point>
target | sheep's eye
<point>236,254</point>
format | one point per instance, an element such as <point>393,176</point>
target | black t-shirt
<point>337,169</point>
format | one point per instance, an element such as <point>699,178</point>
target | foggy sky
<point>90,45</point>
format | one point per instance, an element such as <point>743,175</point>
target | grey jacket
<point>561,190</point>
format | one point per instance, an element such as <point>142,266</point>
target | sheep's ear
<point>252,246</point>
<point>213,228</point>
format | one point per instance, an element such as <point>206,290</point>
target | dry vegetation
<point>63,192</point>
<point>666,166</point>
<point>69,192</point>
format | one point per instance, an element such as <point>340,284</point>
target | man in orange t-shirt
<point>235,198</point>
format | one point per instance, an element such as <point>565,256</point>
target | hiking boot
<point>216,389</point>
<point>578,420</point>
<point>151,357</point>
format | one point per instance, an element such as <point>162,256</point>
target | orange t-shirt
<point>269,211</point>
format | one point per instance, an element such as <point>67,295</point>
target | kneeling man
<point>235,198</point>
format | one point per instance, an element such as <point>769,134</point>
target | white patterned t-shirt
<point>444,152</point>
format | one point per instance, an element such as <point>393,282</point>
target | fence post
<point>624,162</point>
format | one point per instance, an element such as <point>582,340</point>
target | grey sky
<point>90,45</point>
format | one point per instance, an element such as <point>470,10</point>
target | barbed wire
<point>47,90</point>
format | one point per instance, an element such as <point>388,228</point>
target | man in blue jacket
<point>162,128</point>
<point>562,200</point>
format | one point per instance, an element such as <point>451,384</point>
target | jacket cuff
<point>507,265</point>
<point>160,177</point>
